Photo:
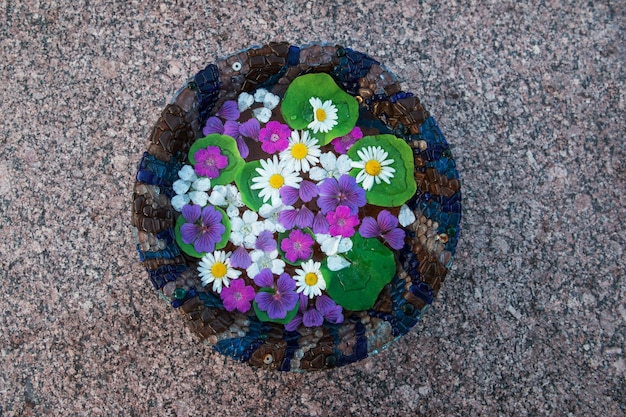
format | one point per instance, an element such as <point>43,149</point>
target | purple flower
<point>302,217</point>
<point>265,241</point>
<point>343,143</point>
<point>282,297</point>
<point>240,258</point>
<point>320,224</point>
<point>341,222</point>
<point>213,125</point>
<point>207,233</point>
<point>306,192</point>
<point>209,162</point>
<point>229,110</point>
<point>385,226</point>
<point>346,192</point>
<point>297,246</point>
<point>325,308</point>
<point>237,296</point>
<point>232,128</point>
<point>274,137</point>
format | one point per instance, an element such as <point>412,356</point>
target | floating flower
<point>210,161</point>
<point>384,226</point>
<point>344,191</point>
<point>324,115</point>
<point>374,166</point>
<point>320,224</point>
<point>406,216</point>
<point>238,296</point>
<point>262,260</point>
<point>207,233</point>
<point>333,245</point>
<point>265,241</point>
<point>309,279</point>
<point>280,299</point>
<point>274,175</point>
<point>297,246</point>
<point>274,137</point>
<point>332,167</point>
<point>343,143</point>
<point>215,268</point>
<point>227,196</point>
<point>341,222</point>
<point>190,188</point>
<point>303,152</point>
<point>240,258</point>
<point>229,110</point>
<point>302,217</point>
<point>244,101</point>
<point>307,192</point>
<point>270,213</point>
<point>325,308</point>
<point>245,229</point>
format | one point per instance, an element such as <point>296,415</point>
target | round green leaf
<point>357,287</point>
<point>298,112</point>
<point>263,316</point>
<point>228,148</point>
<point>188,247</point>
<point>402,186</point>
<point>243,179</point>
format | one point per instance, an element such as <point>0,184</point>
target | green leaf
<point>298,112</point>
<point>228,148</point>
<point>357,287</point>
<point>243,179</point>
<point>263,316</point>
<point>402,186</point>
<point>188,247</point>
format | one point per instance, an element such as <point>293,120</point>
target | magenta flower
<point>297,246</point>
<point>325,309</point>
<point>341,222</point>
<point>385,226</point>
<point>209,162</point>
<point>302,217</point>
<point>203,227</point>
<point>274,137</point>
<point>306,192</point>
<point>343,143</point>
<point>346,192</point>
<point>237,296</point>
<point>280,299</point>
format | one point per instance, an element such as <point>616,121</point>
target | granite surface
<point>530,321</point>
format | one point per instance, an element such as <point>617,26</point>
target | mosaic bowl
<point>429,231</point>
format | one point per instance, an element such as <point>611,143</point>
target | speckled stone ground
<point>532,318</point>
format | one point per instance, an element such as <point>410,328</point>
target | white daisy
<point>309,279</point>
<point>227,196</point>
<point>245,229</point>
<point>190,188</point>
<point>270,213</point>
<point>374,166</point>
<point>331,167</point>
<point>273,175</point>
<point>324,115</point>
<point>262,260</point>
<point>302,152</point>
<point>215,268</point>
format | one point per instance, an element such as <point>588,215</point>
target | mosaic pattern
<point>384,108</point>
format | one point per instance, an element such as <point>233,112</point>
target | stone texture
<point>531,320</point>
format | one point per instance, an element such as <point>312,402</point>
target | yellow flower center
<point>299,151</point>
<point>310,278</point>
<point>218,270</point>
<point>276,181</point>
<point>320,114</point>
<point>372,167</point>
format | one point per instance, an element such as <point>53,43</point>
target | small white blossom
<point>406,216</point>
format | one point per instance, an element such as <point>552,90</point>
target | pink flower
<point>297,246</point>
<point>274,137</point>
<point>341,222</point>
<point>343,143</point>
<point>209,162</point>
<point>237,296</point>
